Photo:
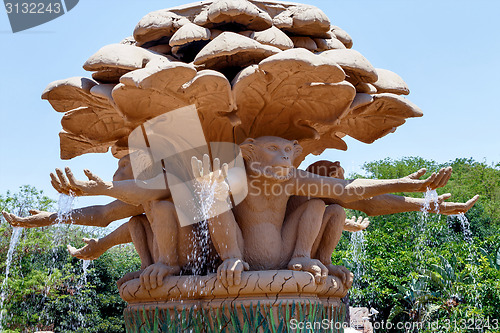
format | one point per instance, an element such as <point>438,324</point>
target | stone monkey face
<point>270,155</point>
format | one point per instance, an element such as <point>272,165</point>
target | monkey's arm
<point>134,192</point>
<point>346,191</point>
<point>392,204</point>
<point>131,191</point>
<point>96,216</point>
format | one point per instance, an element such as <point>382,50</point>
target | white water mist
<point>14,240</point>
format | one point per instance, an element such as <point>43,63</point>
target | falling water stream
<point>65,205</point>
<point>357,251</point>
<point>421,229</point>
<point>16,236</point>
<point>430,202</point>
<point>60,238</point>
<point>78,304</point>
<point>467,233</point>
<point>206,196</point>
<point>85,268</point>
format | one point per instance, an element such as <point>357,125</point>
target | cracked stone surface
<point>254,284</point>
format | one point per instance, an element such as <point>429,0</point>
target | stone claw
<point>313,266</point>
<point>342,273</point>
<point>229,272</point>
<point>152,276</point>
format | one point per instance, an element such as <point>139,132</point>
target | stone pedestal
<point>263,299</point>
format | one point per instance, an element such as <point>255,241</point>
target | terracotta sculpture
<point>277,80</point>
<point>253,150</point>
<point>269,167</point>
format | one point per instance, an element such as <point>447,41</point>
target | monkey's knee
<point>336,213</point>
<point>315,205</point>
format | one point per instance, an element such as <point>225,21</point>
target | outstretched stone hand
<point>452,208</point>
<point>91,251</point>
<point>71,186</point>
<point>436,180</point>
<point>216,178</point>
<point>354,225</point>
<point>36,219</point>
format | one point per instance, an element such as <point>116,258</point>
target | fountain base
<point>263,300</point>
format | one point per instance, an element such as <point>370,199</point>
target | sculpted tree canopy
<point>252,68</point>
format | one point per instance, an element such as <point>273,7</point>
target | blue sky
<point>446,51</point>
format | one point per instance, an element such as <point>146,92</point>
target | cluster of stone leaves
<point>252,68</point>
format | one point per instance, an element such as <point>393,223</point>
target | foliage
<point>422,268</point>
<point>47,288</point>
<point>27,198</point>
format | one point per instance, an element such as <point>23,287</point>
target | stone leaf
<point>72,146</point>
<point>113,61</point>
<point>352,62</point>
<point>293,94</point>
<point>360,100</point>
<point>370,117</point>
<point>158,24</point>
<point>111,75</point>
<point>72,93</point>
<point>188,41</point>
<point>283,91</point>
<point>189,33</point>
<point>95,125</point>
<point>274,37</point>
<point>162,48</point>
<point>361,87</point>
<point>91,118</point>
<point>390,82</point>
<point>155,90</point>
<point>242,13</point>
<point>303,20</point>
<point>328,44</point>
<point>304,42</point>
<point>326,139</point>
<point>342,36</point>
<point>368,122</point>
<point>233,50</point>
<point>210,91</point>
<point>120,56</point>
<point>120,148</point>
<point>324,70</point>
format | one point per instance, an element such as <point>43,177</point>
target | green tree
<point>47,288</point>
<point>399,248</point>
